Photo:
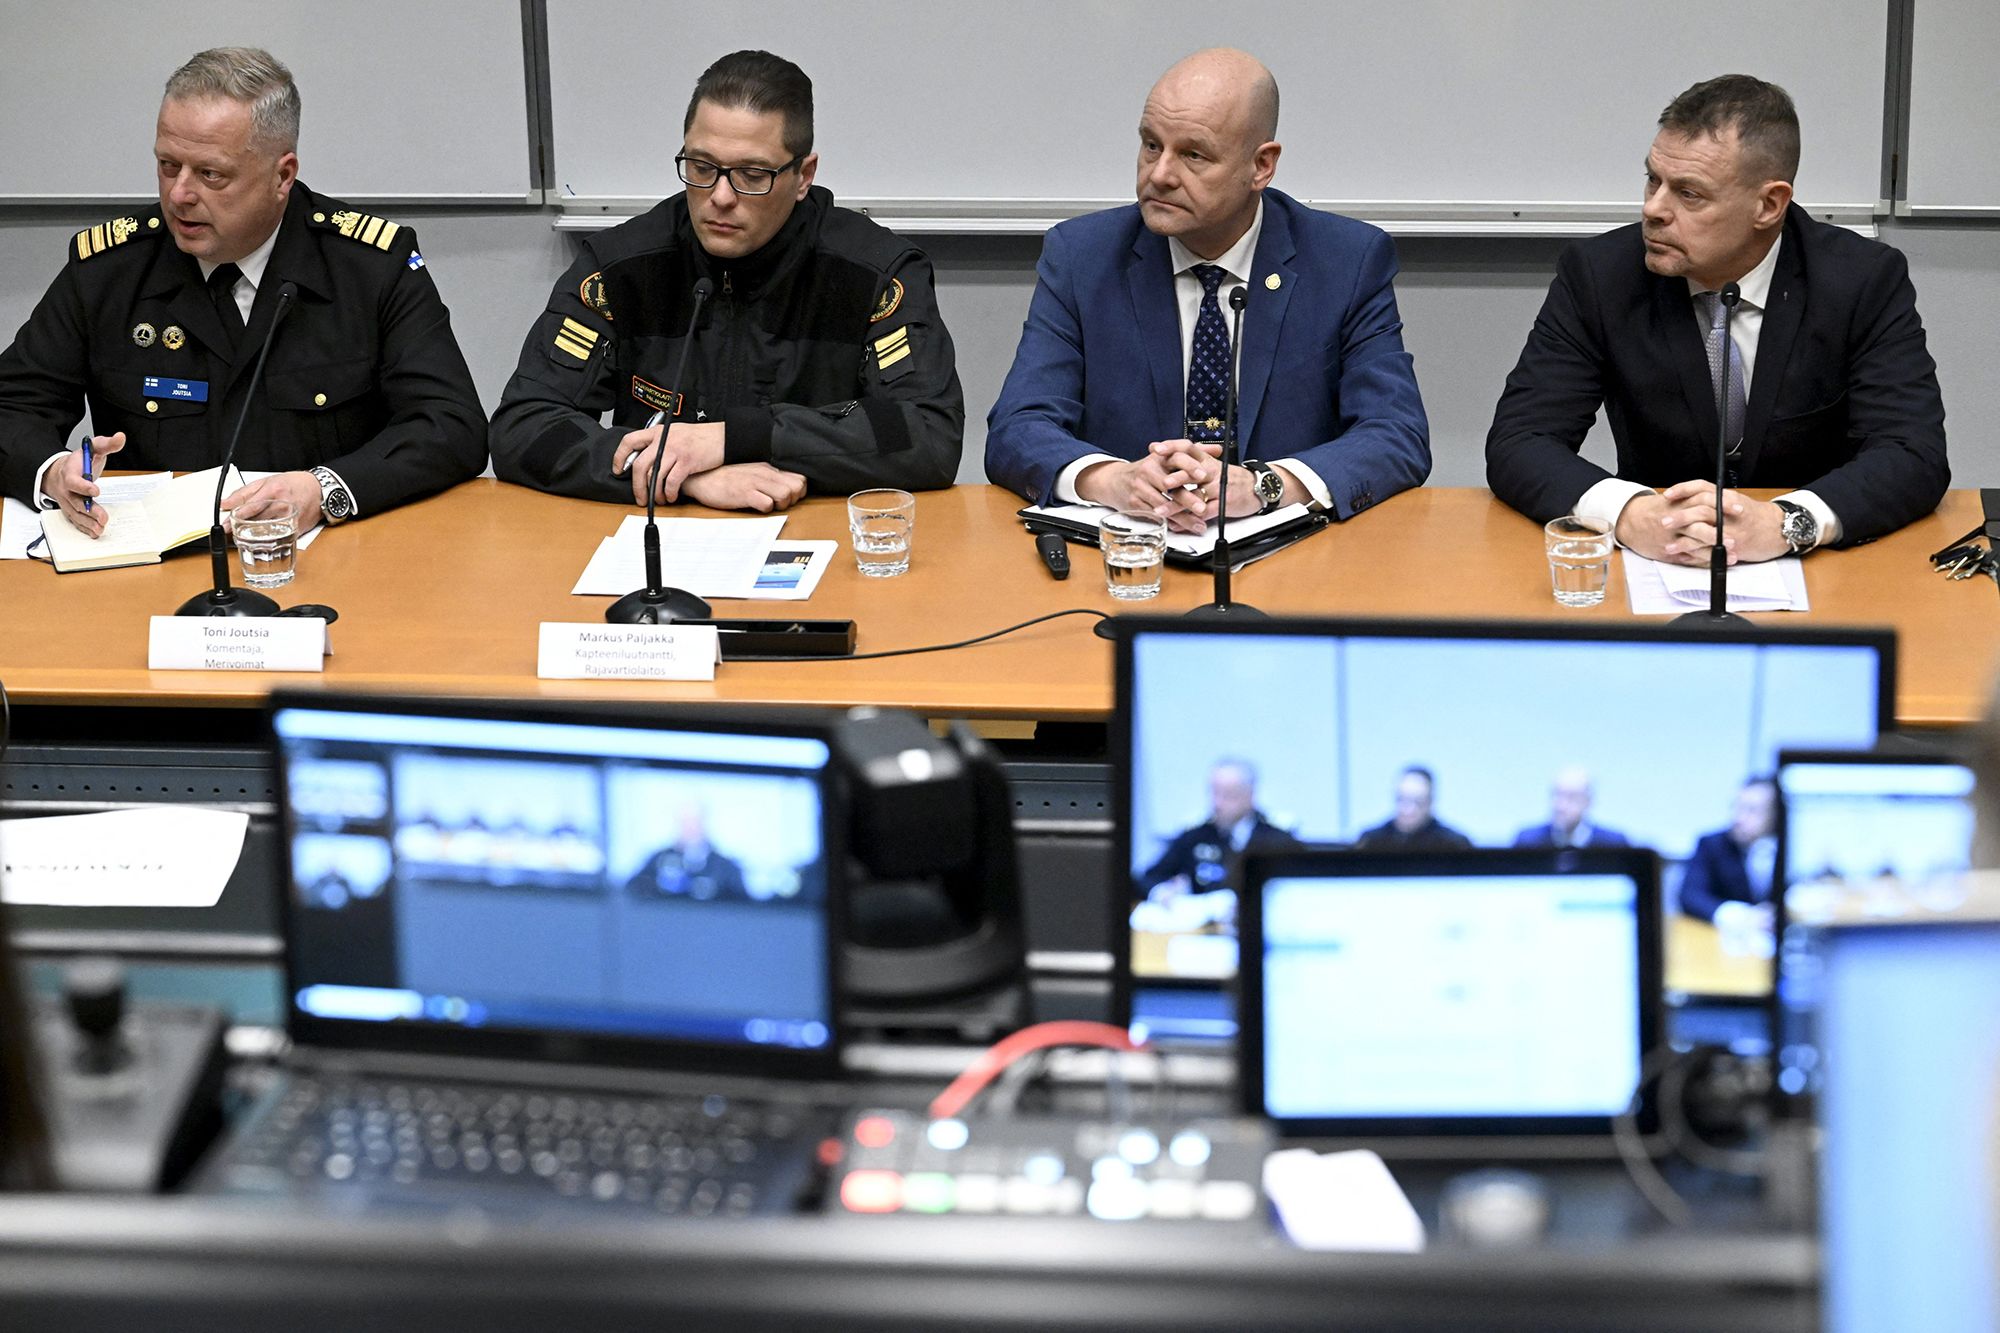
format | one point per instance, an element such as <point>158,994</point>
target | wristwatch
<point>1270,485</point>
<point>1799,528</point>
<point>334,500</point>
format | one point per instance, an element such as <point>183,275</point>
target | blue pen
<point>86,471</point>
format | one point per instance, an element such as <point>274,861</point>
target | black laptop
<point>547,955</point>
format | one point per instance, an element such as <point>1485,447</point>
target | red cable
<point>958,1094</point>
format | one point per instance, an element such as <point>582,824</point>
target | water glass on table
<point>267,536</point>
<point>1579,551</point>
<point>1135,551</point>
<point>881,524</point>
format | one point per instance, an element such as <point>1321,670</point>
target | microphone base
<point>656,606</point>
<point>1711,620</point>
<point>229,602</point>
<point>1226,611</point>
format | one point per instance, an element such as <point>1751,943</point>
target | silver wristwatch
<point>1270,485</point>
<point>1799,528</point>
<point>334,500</point>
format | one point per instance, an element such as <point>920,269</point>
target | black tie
<point>222,292</point>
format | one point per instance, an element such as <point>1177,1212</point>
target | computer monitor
<point>1492,734</point>
<point>609,884</point>
<point>1910,1112</point>
<point>1470,993</point>
<point>1866,835</point>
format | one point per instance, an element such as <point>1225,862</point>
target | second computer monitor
<point>1430,735</point>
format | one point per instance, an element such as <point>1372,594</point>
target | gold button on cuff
<point>319,400</point>
<point>152,407</point>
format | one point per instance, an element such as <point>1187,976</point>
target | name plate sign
<point>627,652</point>
<point>235,643</point>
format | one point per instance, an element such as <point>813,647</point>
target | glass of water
<point>1135,551</point>
<point>881,523</point>
<point>267,536</point>
<point>1579,550</point>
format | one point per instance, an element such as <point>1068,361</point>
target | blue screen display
<point>537,876</point>
<point>1910,1104</point>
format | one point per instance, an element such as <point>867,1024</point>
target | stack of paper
<point>154,856</point>
<point>709,557</point>
<point>1658,589</point>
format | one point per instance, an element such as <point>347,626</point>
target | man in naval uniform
<point>157,321</point>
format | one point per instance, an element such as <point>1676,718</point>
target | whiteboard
<point>1953,161</point>
<point>1415,108</point>
<point>418,101</point>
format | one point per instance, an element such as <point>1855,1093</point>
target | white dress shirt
<point>1608,498</point>
<point>1235,263</point>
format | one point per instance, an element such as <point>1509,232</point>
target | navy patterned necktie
<point>1208,367</point>
<point>1711,310</point>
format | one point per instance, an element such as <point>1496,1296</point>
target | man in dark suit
<point>1570,797</point>
<point>1202,859</point>
<point>690,867</point>
<point>1731,870</point>
<point>157,320</point>
<point>1414,827</point>
<point>1832,391</point>
<point>1117,391</point>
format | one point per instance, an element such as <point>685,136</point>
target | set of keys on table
<point>1965,558</point>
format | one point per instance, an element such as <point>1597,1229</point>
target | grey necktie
<point>1711,313</point>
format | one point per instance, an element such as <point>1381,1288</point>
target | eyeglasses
<point>702,174</point>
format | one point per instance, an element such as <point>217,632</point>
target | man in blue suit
<point>1117,390</point>
<point>1570,825</point>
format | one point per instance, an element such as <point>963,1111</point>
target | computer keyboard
<point>1049,1166</point>
<point>698,1156</point>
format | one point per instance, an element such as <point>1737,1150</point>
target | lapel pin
<point>1273,282</point>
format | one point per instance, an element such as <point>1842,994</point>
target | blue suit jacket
<point>1544,835</point>
<point>1324,377</point>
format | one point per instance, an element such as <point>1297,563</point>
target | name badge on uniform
<point>188,391</point>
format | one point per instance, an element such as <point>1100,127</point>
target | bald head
<point>1569,798</point>
<point>1230,86</point>
<point>1207,148</point>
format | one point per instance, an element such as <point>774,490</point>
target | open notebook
<point>155,519</point>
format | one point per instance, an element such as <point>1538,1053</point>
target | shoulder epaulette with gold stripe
<point>363,227</point>
<point>106,235</point>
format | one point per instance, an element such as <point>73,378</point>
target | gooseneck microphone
<point>1718,615</point>
<point>1222,605</point>
<point>656,604</point>
<point>222,599</point>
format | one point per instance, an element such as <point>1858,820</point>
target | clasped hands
<point>65,483</point>
<point>1177,480</point>
<point>692,466</point>
<point>1677,525</point>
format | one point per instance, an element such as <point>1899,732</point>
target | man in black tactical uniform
<point>366,401</point>
<point>820,363</point>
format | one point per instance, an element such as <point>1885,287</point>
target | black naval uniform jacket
<point>822,354</point>
<point>364,375</point>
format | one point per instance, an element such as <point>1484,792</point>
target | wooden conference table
<point>445,596</point>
